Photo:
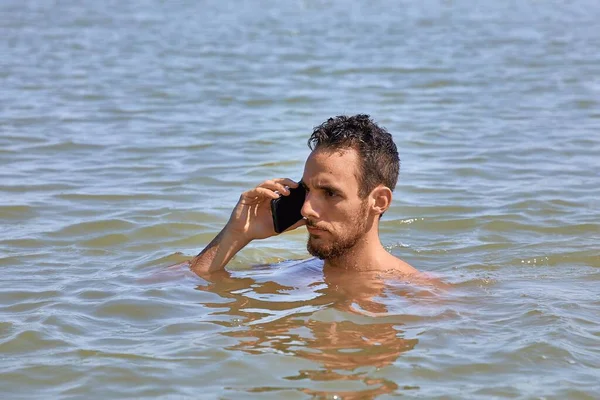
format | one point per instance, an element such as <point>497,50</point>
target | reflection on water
<point>128,129</point>
<point>339,320</point>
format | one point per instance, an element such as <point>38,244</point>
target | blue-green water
<point>129,129</point>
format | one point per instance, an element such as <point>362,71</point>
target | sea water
<point>129,129</point>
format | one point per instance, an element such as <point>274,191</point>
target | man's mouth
<point>312,228</point>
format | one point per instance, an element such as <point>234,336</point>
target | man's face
<point>336,215</point>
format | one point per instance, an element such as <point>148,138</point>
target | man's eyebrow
<point>327,186</point>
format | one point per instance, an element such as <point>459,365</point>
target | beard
<point>340,244</point>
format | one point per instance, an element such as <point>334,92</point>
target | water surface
<point>129,129</point>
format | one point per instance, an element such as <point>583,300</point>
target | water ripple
<point>129,129</point>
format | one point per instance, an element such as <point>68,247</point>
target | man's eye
<point>330,193</point>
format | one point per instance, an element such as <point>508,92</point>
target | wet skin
<point>343,226</point>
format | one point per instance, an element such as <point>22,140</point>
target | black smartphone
<point>286,209</point>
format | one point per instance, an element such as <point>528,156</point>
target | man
<point>349,178</point>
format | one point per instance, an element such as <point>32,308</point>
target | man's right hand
<point>251,218</point>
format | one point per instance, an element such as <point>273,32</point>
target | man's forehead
<point>332,165</point>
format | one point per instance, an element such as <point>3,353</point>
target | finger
<point>286,182</point>
<point>275,186</point>
<point>296,225</point>
<point>257,194</point>
<point>282,182</point>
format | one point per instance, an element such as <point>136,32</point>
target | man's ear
<point>382,198</point>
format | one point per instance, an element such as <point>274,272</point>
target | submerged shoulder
<point>415,276</point>
<point>402,267</point>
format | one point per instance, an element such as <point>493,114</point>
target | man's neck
<point>367,255</point>
<point>370,255</point>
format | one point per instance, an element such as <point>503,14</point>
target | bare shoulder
<point>406,270</point>
<point>402,267</point>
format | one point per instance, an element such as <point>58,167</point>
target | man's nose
<point>307,209</point>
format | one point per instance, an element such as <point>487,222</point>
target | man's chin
<point>330,248</point>
<point>322,251</point>
<point>315,250</point>
<point>318,254</point>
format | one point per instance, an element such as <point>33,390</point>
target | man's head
<point>379,161</point>
<point>349,177</point>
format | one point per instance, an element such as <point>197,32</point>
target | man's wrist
<point>233,240</point>
<point>218,252</point>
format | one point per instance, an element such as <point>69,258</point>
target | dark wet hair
<point>376,149</point>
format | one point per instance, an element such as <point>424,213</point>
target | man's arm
<point>217,254</point>
<point>251,219</point>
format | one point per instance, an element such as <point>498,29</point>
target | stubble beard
<point>341,245</point>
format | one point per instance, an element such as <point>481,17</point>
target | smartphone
<point>286,209</point>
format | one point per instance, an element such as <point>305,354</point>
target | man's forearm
<point>218,253</point>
